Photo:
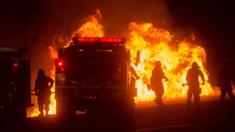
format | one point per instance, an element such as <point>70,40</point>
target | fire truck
<point>15,83</point>
<point>92,74</point>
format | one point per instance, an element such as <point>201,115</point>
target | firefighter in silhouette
<point>156,82</point>
<point>194,89</point>
<point>225,81</point>
<point>43,86</point>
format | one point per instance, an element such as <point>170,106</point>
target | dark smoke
<point>34,24</point>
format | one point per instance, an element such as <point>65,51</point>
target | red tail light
<point>119,70</point>
<point>90,97</point>
<point>15,65</point>
<point>60,65</point>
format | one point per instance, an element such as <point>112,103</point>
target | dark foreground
<point>211,116</point>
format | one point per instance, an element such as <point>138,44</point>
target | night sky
<point>33,23</point>
<point>215,22</point>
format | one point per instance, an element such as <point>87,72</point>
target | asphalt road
<point>211,116</point>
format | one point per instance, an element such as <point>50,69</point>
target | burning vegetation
<point>148,44</point>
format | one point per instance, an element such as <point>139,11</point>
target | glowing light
<point>60,63</point>
<point>15,65</point>
<point>99,39</point>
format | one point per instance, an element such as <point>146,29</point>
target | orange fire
<point>176,57</point>
<point>92,28</point>
<point>156,44</point>
<point>151,44</point>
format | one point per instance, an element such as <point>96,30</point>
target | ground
<point>148,117</point>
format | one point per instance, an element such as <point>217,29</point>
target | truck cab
<point>92,74</point>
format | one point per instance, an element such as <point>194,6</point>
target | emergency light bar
<point>99,39</point>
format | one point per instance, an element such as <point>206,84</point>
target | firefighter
<point>156,82</point>
<point>225,80</point>
<point>194,89</point>
<point>43,86</point>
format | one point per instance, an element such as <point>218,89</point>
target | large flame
<point>176,57</point>
<point>148,44</point>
